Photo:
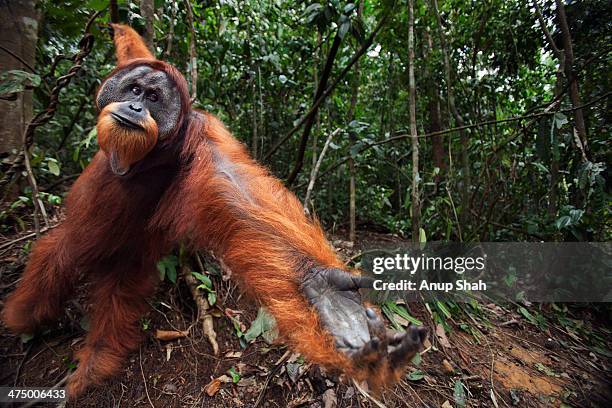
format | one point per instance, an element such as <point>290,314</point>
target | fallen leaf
<point>416,375</point>
<point>169,335</point>
<point>447,367</point>
<point>233,354</point>
<point>447,404</point>
<point>441,335</point>
<point>212,387</point>
<point>225,379</point>
<point>329,398</point>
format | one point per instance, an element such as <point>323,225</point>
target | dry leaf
<point>447,404</point>
<point>212,387</point>
<point>169,335</point>
<point>447,367</point>
<point>329,398</point>
<point>441,335</point>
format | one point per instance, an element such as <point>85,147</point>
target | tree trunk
<point>170,37</point>
<point>435,119</point>
<point>114,11</point>
<point>571,77</point>
<point>147,10</point>
<point>18,34</point>
<point>329,62</point>
<point>352,141</point>
<point>416,205</point>
<point>192,53</point>
<point>465,161</point>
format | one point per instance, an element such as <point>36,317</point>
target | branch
<point>313,176</point>
<point>549,37</point>
<point>366,45</point>
<point>329,62</point>
<point>451,130</point>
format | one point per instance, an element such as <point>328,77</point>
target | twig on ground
<point>144,380</point>
<point>368,396</point>
<point>18,372</point>
<point>27,236</point>
<point>271,374</point>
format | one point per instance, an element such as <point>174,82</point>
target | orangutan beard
<point>122,145</point>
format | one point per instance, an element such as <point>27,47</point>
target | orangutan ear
<point>129,45</point>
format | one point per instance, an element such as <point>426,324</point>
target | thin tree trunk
<point>554,158</point>
<point>435,119</point>
<point>465,163</point>
<point>315,77</point>
<point>352,141</point>
<point>314,108</point>
<point>315,170</point>
<point>192,53</point>
<point>329,62</point>
<point>147,10</point>
<point>114,11</point>
<point>416,205</point>
<point>252,79</point>
<point>170,37</point>
<point>571,77</point>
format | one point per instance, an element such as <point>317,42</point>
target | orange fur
<point>129,145</point>
<point>129,45</point>
<point>199,186</point>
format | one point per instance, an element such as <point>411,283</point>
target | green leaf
<point>53,166</point>
<point>416,360</point>
<point>459,394</point>
<point>234,374</point>
<point>167,268</point>
<point>344,27</point>
<point>443,309</point>
<point>422,236</point>
<point>349,8</point>
<point>206,282</point>
<point>212,298</point>
<point>563,222</point>
<point>263,323</point>
<point>416,375</point>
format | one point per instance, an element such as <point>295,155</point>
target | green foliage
<point>16,81</point>
<point>264,325</point>
<point>207,286</point>
<point>167,268</point>
<point>257,69</point>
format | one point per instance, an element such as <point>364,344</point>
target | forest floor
<point>497,358</point>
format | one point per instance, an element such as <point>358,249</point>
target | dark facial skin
<point>142,90</point>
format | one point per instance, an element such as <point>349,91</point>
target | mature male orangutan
<point>168,174</point>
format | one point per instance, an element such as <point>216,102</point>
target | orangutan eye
<point>153,97</point>
<point>136,90</point>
